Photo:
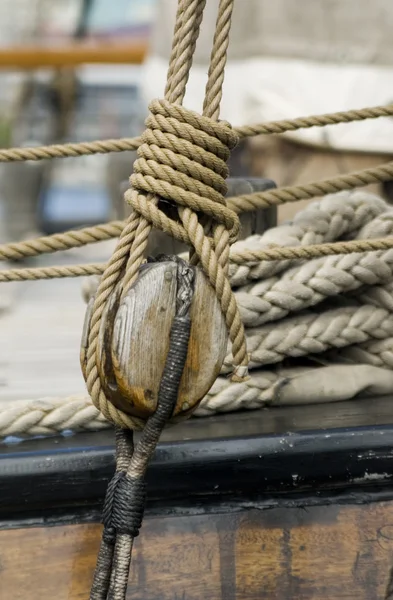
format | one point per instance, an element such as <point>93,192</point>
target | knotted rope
<point>182,158</point>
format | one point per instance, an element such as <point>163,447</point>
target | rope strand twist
<point>183,158</point>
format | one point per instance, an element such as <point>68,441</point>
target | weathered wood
<point>134,340</point>
<point>141,339</point>
<point>325,553</point>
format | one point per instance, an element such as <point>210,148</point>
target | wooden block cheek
<point>134,337</point>
<point>207,346</point>
<point>141,336</point>
<point>142,333</point>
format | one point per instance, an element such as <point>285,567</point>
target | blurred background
<point>75,70</point>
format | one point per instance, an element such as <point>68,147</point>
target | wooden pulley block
<point>134,340</point>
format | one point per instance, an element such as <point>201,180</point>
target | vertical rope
<point>215,257</point>
<point>218,60</point>
<point>188,20</point>
<point>105,559</point>
<point>184,49</point>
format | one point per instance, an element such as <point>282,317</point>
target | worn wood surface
<point>142,332</point>
<point>317,553</point>
<point>137,329</point>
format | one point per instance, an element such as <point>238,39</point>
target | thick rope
<point>71,150</point>
<point>314,333</point>
<point>311,283</point>
<point>264,388</point>
<point>350,321</point>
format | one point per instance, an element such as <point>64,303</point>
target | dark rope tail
<point>126,494</point>
<point>102,573</point>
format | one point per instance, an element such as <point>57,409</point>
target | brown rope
<point>274,197</point>
<point>237,204</point>
<point>131,144</point>
<point>115,554</point>
<point>284,125</point>
<point>239,258</point>
<point>70,150</point>
<point>151,181</point>
<point>55,272</point>
<point>61,241</point>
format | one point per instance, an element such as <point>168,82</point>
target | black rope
<point>126,493</point>
<point>128,505</point>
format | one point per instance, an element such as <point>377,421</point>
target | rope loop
<point>182,159</point>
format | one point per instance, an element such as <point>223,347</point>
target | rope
<point>61,241</point>
<point>316,333</point>
<point>265,388</point>
<point>284,125</point>
<point>338,307</point>
<point>164,170</point>
<point>71,150</point>
<point>238,204</point>
<point>275,197</point>
<point>311,283</point>
<point>248,258</point>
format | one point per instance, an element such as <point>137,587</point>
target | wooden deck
<point>40,335</point>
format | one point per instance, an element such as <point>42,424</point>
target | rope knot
<point>182,160</point>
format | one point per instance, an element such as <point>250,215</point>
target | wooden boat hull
<point>248,506</point>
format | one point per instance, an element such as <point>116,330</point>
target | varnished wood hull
<point>234,512</point>
<point>319,553</point>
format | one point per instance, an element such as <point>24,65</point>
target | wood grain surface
<point>318,553</point>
